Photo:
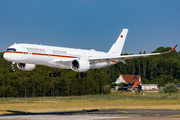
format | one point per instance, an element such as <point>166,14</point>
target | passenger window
<point>11,49</point>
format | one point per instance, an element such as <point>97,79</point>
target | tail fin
<point>118,45</point>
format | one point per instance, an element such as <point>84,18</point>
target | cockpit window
<point>11,49</point>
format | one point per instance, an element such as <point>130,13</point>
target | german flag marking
<point>173,48</point>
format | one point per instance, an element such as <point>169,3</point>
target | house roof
<point>130,78</point>
<point>136,84</point>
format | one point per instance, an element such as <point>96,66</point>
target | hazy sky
<point>91,24</point>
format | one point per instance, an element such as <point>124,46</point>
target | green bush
<point>121,84</point>
<point>170,88</point>
<point>161,91</point>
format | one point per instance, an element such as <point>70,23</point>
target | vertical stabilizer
<point>117,47</point>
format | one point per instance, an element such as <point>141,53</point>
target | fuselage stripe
<point>38,54</point>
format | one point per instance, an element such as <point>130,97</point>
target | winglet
<point>173,48</point>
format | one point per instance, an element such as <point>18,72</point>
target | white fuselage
<point>48,55</point>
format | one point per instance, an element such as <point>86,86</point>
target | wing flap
<point>63,62</point>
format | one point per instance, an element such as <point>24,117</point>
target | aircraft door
<point>49,52</point>
<point>29,52</point>
<point>24,50</point>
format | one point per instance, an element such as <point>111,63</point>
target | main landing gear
<point>81,75</point>
<point>12,66</point>
<point>55,74</point>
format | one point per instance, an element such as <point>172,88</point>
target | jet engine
<point>26,67</point>
<point>79,65</point>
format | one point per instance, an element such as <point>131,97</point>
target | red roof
<point>136,84</point>
<point>130,78</point>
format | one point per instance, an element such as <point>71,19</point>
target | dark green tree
<point>170,88</point>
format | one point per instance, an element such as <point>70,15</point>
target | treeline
<point>161,69</point>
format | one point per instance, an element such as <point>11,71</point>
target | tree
<point>121,84</point>
<point>170,88</point>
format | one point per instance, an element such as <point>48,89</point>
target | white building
<point>128,78</point>
<point>147,87</point>
<point>132,82</point>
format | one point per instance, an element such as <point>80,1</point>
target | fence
<point>89,97</point>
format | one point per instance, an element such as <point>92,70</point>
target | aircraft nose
<point>6,56</point>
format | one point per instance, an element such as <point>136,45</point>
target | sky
<point>91,24</point>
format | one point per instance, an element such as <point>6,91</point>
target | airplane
<point>27,56</point>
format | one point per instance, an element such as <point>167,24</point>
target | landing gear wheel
<point>55,74</point>
<point>77,75</point>
<point>82,75</point>
<point>50,75</point>
<point>59,74</point>
<point>85,74</point>
<point>12,70</point>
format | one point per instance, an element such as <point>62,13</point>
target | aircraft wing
<point>114,59</point>
<point>124,57</point>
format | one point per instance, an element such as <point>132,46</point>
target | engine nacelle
<point>79,65</point>
<point>26,67</point>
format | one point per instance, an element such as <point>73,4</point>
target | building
<point>149,87</point>
<point>133,82</point>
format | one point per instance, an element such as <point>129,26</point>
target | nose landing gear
<point>12,67</point>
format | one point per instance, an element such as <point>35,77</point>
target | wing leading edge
<point>125,57</point>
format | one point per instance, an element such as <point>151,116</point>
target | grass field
<point>88,102</point>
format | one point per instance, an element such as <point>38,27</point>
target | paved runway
<point>61,117</point>
<point>110,114</point>
<point>138,112</point>
<point>82,117</point>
